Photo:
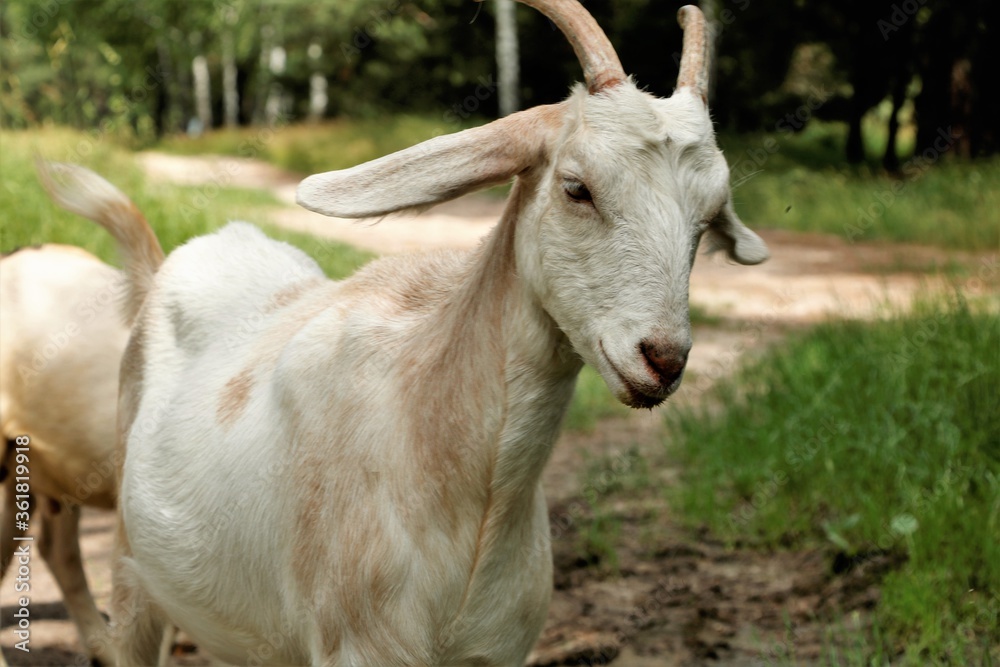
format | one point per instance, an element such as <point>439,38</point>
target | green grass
<point>592,402</point>
<point>604,479</point>
<point>308,149</point>
<point>176,213</point>
<point>869,438</point>
<point>800,182</point>
<point>787,181</point>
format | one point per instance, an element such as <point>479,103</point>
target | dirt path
<point>809,276</point>
<point>678,599</point>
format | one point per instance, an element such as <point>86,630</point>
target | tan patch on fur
<point>446,374</point>
<point>310,472</point>
<point>288,295</point>
<point>458,371</point>
<point>234,397</point>
<point>313,492</point>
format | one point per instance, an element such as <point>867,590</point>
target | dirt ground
<point>678,597</point>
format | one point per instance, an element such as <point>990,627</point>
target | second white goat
<point>61,342</point>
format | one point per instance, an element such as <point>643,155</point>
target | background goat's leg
<point>60,547</point>
<point>7,529</point>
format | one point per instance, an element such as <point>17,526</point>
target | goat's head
<point>617,188</point>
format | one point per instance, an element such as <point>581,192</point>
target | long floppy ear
<point>436,170</point>
<point>727,232</point>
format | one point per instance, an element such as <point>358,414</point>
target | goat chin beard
<point>634,398</point>
<point>637,400</point>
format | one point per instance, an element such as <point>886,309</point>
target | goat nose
<point>667,360</point>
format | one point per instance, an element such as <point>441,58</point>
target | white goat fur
<point>61,343</point>
<point>356,482</point>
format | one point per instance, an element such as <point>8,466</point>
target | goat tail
<point>81,191</point>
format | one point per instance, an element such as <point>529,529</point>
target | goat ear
<point>436,170</point>
<point>741,244</point>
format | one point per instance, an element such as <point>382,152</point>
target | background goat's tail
<point>81,191</point>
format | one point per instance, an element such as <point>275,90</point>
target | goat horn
<point>694,60</point>
<point>601,66</point>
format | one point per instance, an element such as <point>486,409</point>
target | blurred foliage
<point>125,66</point>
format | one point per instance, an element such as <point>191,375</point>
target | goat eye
<point>577,191</point>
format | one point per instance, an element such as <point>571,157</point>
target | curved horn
<point>601,66</point>
<point>694,58</point>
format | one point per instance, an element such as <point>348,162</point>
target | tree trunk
<point>274,107</point>
<point>230,94</point>
<point>264,69</point>
<point>890,161</point>
<point>183,87</point>
<point>318,98</point>
<point>710,8</point>
<point>164,97</point>
<point>202,92</point>
<point>508,72</point>
<point>855,141</point>
<point>932,105</point>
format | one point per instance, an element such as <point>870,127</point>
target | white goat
<point>356,481</point>
<point>61,343</point>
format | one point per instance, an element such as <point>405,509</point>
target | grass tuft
<point>869,438</point>
<point>307,149</point>
<point>800,182</point>
<point>177,213</point>
<point>592,402</point>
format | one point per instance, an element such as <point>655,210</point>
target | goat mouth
<point>635,398</point>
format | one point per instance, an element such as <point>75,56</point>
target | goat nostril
<point>666,362</point>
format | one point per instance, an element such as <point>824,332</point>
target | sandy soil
<point>678,598</point>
